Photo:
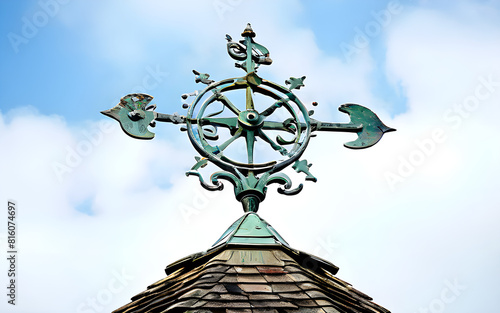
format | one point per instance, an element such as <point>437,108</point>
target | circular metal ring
<point>249,124</point>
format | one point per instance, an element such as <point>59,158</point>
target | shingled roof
<point>251,269</point>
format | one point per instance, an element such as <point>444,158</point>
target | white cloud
<point>397,246</point>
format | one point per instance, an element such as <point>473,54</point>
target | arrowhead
<point>131,113</point>
<point>373,128</point>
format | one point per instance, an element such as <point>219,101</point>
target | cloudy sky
<point>412,221</point>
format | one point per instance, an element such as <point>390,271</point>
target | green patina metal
<point>205,119</point>
<point>251,229</point>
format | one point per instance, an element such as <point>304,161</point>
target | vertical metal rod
<point>250,203</point>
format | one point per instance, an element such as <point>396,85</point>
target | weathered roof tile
<point>255,287</point>
<point>232,297</point>
<point>279,278</point>
<point>195,293</point>
<point>309,310</point>
<point>249,278</point>
<point>227,304</point>
<point>295,295</point>
<point>229,279</point>
<point>279,288</point>
<point>273,304</point>
<point>246,270</point>
<point>263,296</point>
<point>271,270</point>
<point>264,310</point>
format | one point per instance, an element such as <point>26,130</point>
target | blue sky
<point>58,60</point>
<point>412,221</point>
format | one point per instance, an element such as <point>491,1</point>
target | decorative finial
<point>248,32</point>
<point>216,120</point>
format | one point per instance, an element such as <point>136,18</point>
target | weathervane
<point>258,110</point>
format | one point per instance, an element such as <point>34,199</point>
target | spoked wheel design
<point>248,123</point>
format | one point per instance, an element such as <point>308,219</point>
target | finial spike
<point>248,32</point>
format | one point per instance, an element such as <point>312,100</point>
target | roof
<point>251,269</point>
